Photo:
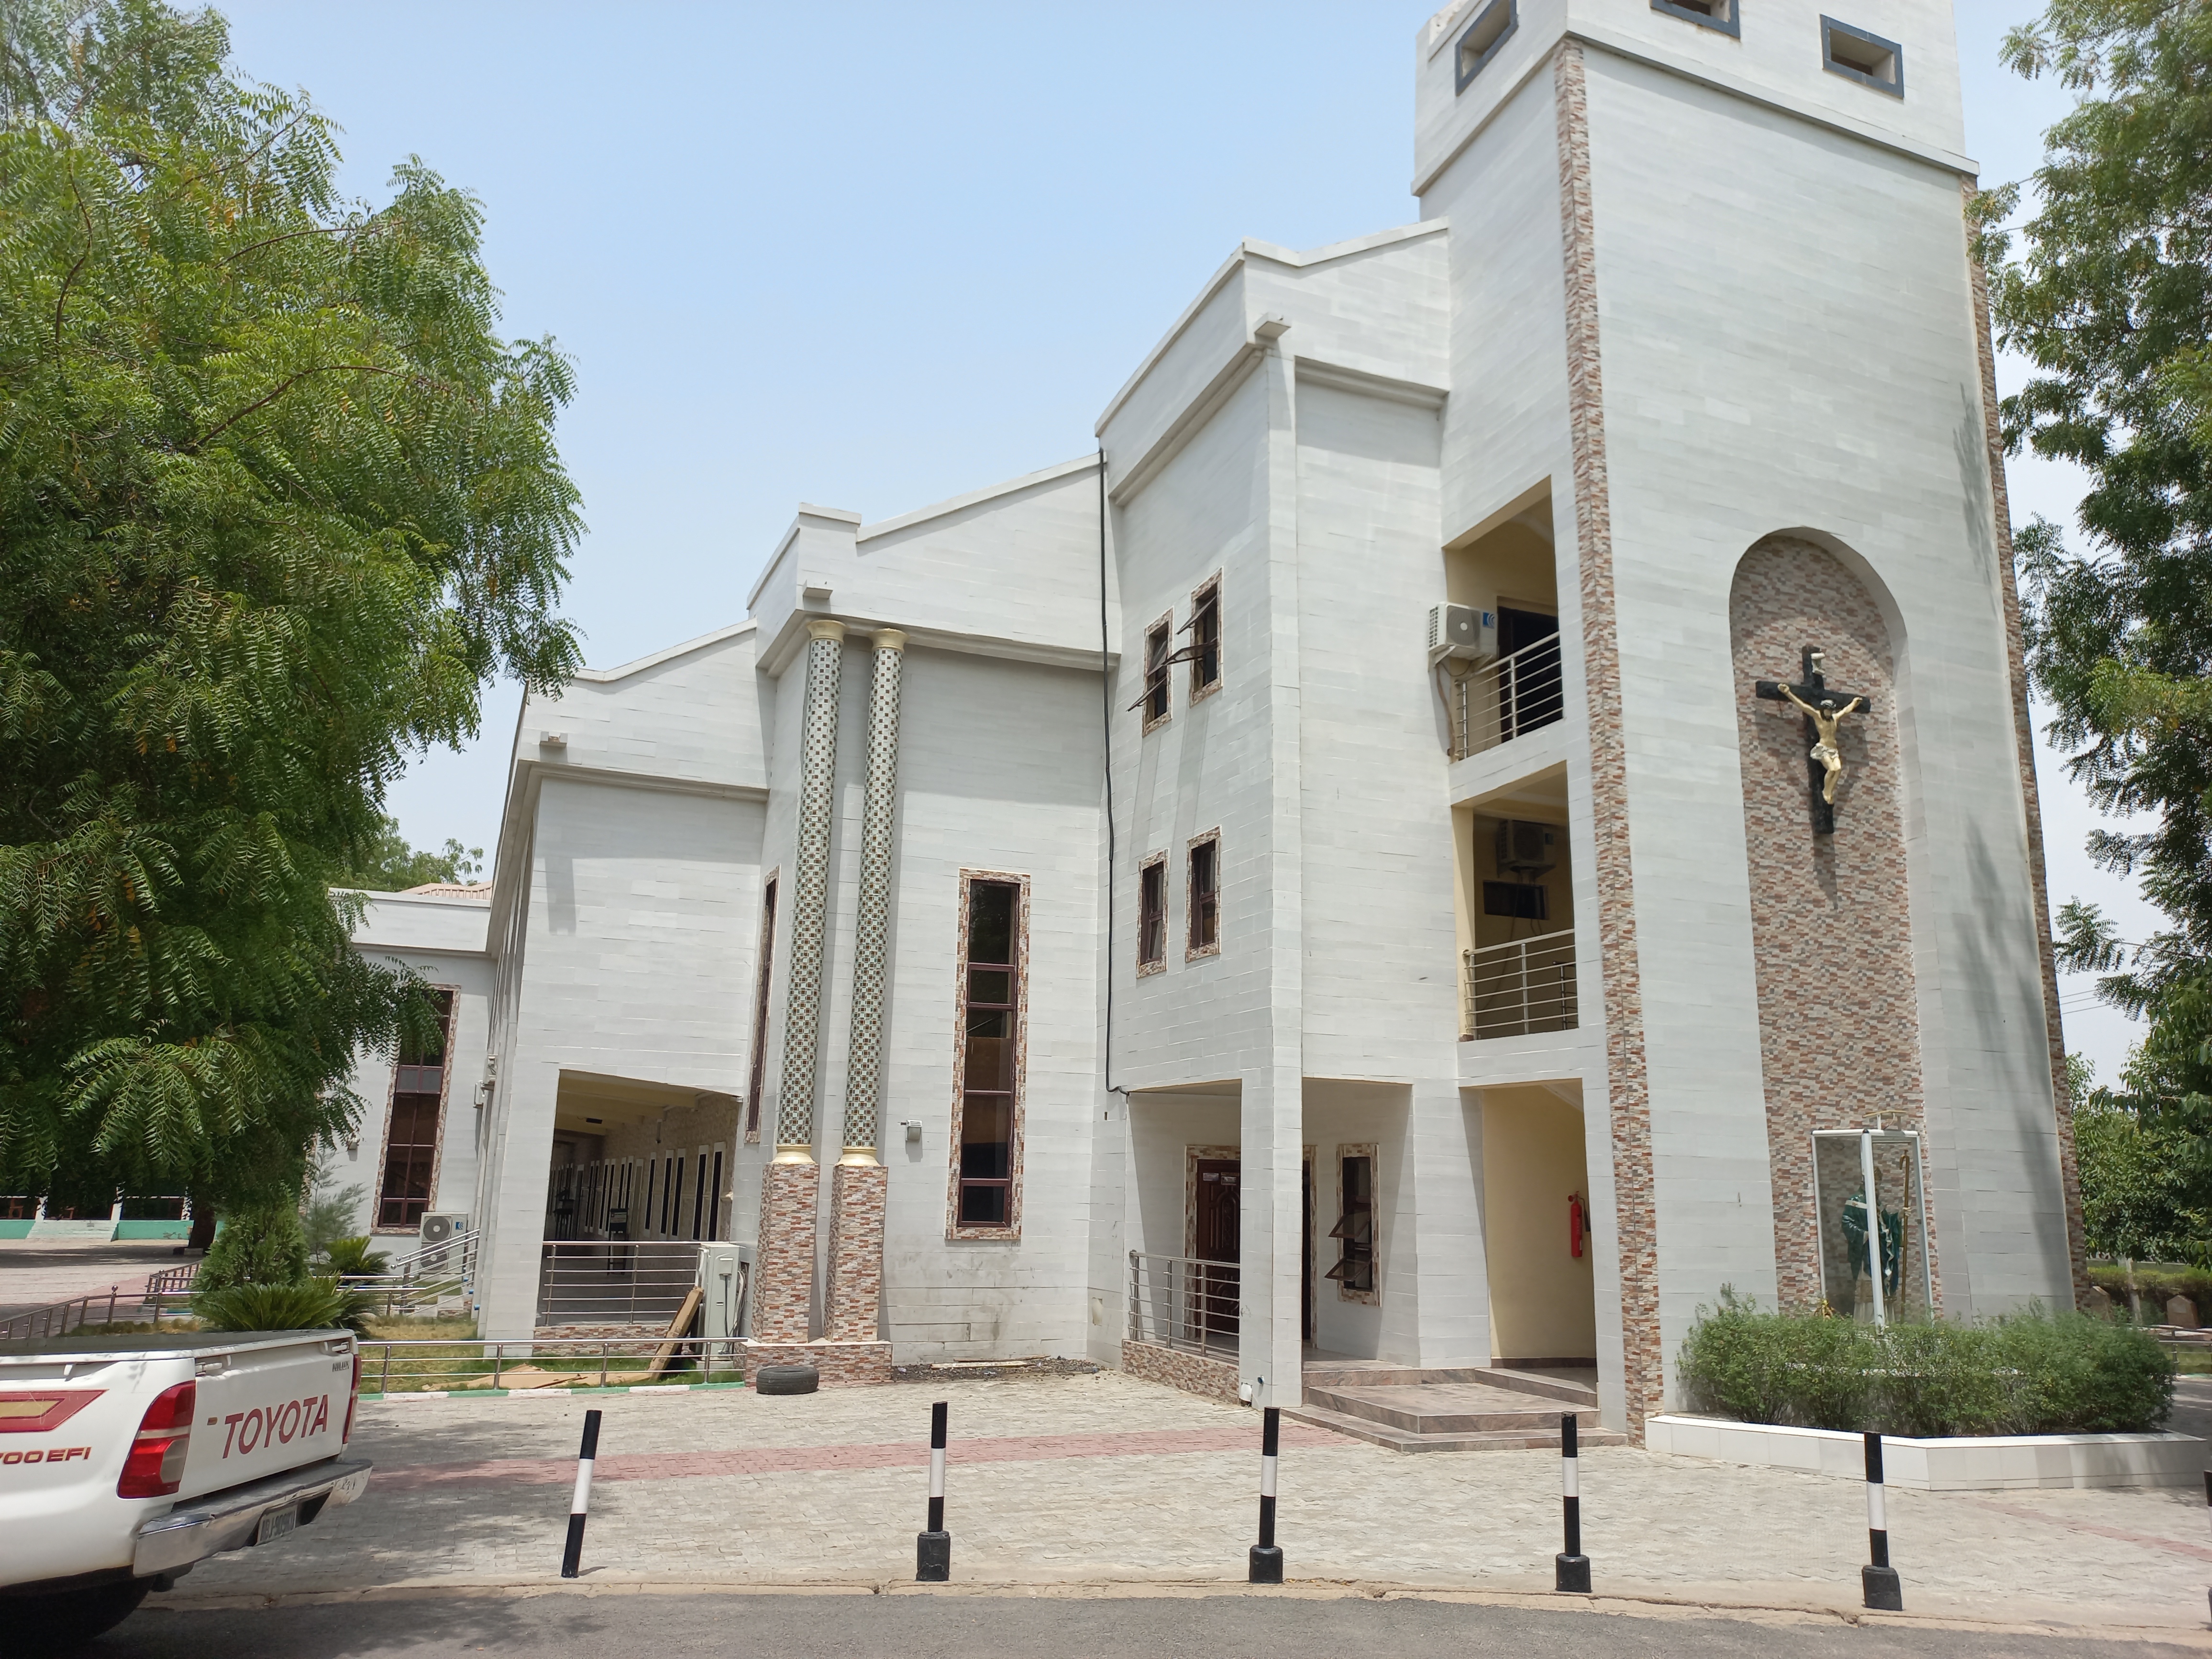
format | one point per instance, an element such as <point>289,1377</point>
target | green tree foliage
<point>2112,300</point>
<point>275,500</point>
<point>260,1243</point>
<point>385,863</point>
<point>313,1304</point>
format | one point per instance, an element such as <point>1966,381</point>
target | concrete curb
<point>528,1394</point>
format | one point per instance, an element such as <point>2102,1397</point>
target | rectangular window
<point>1159,640</point>
<point>1152,915</point>
<point>1205,897</point>
<point>759,1078</point>
<point>986,1122</point>
<point>1493,27</point>
<point>1354,1231</point>
<point>669,1171</point>
<point>714,1220</point>
<point>1523,901</point>
<point>410,1129</point>
<point>1709,13</point>
<point>1205,647</point>
<point>699,1197</point>
<point>1859,56</point>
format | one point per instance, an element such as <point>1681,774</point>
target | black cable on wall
<point>1106,723</point>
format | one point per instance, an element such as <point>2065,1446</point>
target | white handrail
<point>1506,698</point>
<point>1523,985</point>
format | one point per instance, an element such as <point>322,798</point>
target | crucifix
<point>1823,706</point>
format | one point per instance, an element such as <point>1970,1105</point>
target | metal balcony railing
<point>1179,1302</point>
<point>1511,990</point>
<point>1506,698</point>
<point>614,1282</point>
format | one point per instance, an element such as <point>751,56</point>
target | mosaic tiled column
<point>859,1184</point>
<point>792,1185</point>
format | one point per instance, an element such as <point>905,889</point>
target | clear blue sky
<point>875,255</point>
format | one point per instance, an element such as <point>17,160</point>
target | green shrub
<point>353,1255</point>
<point>2155,1281</point>
<point>264,1245</point>
<point>317,1305</point>
<point>2025,1374</point>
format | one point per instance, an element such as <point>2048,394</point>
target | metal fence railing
<point>419,1367</point>
<point>1512,989</point>
<point>431,1278</point>
<point>1502,699</point>
<point>1180,1302</point>
<point>593,1281</point>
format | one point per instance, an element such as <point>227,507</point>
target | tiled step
<point>1451,1408</point>
<point>1381,1434</point>
<point>1377,1374</point>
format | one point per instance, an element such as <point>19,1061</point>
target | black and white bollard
<point>2207,1506</point>
<point>1883,1592</point>
<point>933,1550</point>
<point>1571,1569</point>
<point>572,1558</point>
<point>1267,1558</point>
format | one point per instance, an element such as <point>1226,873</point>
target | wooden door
<point>1216,1284</point>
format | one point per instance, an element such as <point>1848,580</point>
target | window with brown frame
<point>410,1129</point>
<point>1205,647</point>
<point>1159,642</point>
<point>1205,896</point>
<point>759,1078</point>
<point>1354,1231</point>
<point>990,1058</point>
<point>1152,914</point>
<point>715,1203</point>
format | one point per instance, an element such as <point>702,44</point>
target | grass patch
<point>2025,1374</point>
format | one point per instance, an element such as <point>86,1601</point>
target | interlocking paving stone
<point>1105,1479</point>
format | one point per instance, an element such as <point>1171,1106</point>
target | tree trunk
<point>203,1232</point>
<point>2135,1295</point>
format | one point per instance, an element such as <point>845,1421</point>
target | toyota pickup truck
<point>123,1459</point>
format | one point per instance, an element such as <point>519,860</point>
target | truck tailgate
<point>267,1408</point>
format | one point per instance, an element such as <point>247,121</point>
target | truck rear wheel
<point>66,1620</point>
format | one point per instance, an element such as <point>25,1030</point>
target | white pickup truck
<point>123,1459</point>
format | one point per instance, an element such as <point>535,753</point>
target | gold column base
<point>864,1156</point>
<point>792,1155</point>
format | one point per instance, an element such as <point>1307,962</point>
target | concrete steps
<point>102,1229</point>
<point>1460,1409</point>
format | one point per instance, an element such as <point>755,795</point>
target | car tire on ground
<point>64,1621</point>
<point>786,1379</point>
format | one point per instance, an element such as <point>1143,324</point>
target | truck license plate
<point>275,1523</point>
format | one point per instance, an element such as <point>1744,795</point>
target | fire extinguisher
<point>1577,1225</point>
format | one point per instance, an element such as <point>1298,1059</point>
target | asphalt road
<point>922,1626</point>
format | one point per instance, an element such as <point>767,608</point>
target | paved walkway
<point>1106,1480</point>
<point>38,1272</point>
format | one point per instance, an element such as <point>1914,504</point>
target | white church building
<point>1320,880</point>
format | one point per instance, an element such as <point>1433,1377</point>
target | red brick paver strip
<point>789,1460</point>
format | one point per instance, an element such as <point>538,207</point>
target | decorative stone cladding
<point>840,1362</point>
<point>1628,1101</point>
<point>650,1335</point>
<point>864,1074</point>
<point>1214,1379</point>
<point>853,1307</point>
<point>784,1297</point>
<point>810,896</point>
<point>2070,1168</point>
<point>1830,915</point>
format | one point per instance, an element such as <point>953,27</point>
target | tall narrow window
<point>410,1130</point>
<point>765,957</point>
<point>714,1213</point>
<point>1152,915</point>
<point>699,1198</point>
<point>1205,647</point>
<point>1354,1231</point>
<point>669,1173</point>
<point>1204,899</point>
<point>987,1124</point>
<point>1159,642</point>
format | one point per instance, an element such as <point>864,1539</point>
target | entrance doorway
<point>1217,1283</point>
<point>1536,1227</point>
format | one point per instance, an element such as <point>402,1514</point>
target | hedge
<point>2155,1281</point>
<point>2028,1373</point>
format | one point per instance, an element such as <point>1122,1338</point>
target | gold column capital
<point>889,639</point>
<point>824,627</point>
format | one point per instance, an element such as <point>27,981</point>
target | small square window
<point>1867,59</point>
<point>1204,902</point>
<point>1493,28</point>
<point>1709,13</point>
<point>1152,915</point>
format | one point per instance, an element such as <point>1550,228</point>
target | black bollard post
<point>933,1550</point>
<point>2208,1506</point>
<point>1570,1574</point>
<point>1884,1593</point>
<point>1267,1566</point>
<point>572,1558</point>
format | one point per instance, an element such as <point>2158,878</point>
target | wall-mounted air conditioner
<point>1526,849</point>
<point>1461,633</point>
<point>724,1282</point>
<point>439,1228</point>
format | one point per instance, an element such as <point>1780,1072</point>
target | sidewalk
<point>1105,1481</point>
<point>39,1272</point>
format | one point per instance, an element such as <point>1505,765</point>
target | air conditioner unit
<point>439,1229</point>
<point>725,1274</point>
<point>1461,633</point>
<point>1526,848</point>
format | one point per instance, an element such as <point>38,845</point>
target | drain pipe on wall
<point>1106,722</point>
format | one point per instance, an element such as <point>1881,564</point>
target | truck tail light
<point>155,1467</point>
<point>353,1399</point>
